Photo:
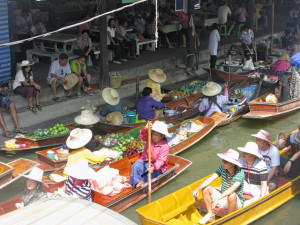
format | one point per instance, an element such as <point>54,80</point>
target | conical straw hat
<point>72,80</point>
<point>110,96</point>
<point>115,118</point>
<point>79,138</point>
<point>157,75</point>
<point>211,89</point>
<point>87,118</point>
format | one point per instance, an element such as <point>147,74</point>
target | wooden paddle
<point>229,59</point>
<point>208,64</point>
<point>256,59</point>
<point>149,161</point>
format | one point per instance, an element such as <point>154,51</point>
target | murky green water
<point>205,161</point>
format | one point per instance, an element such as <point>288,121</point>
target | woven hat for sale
<point>79,138</point>
<point>211,89</point>
<point>72,80</point>
<point>231,156</point>
<point>115,118</point>
<point>111,96</point>
<point>157,75</point>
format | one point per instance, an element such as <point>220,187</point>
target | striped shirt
<point>228,181</point>
<point>83,190</point>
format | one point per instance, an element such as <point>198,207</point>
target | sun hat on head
<point>231,156</point>
<point>281,142</point>
<point>284,57</point>
<point>80,170</point>
<point>251,148</point>
<point>35,174</point>
<point>26,63</point>
<point>79,138</point>
<point>115,118</point>
<point>110,96</point>
<point>72,80</point>
<point>87,118</point>
<point>157,75</point>
<point>161,128</point>
<point>211,89</point>
<point>264,135</point>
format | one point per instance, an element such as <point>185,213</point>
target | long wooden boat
<point>224,76</point>
<point>260,109</point>
<point>12,171</point>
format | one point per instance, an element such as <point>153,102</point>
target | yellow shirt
<point>156,89</point>
<point>258,7</point>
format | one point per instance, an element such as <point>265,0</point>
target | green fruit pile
<point>56,130</point>
<point>116,141</point>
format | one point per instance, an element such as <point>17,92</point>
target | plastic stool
<point>240,29</point>
<point>223,30</point>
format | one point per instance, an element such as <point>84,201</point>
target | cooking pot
<point>171,112</point>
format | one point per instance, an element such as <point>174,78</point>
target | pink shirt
<point>184,19</point>
<point>281,65</point>
<point>159,152</point>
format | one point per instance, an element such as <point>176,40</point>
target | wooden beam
<point>190,38</point>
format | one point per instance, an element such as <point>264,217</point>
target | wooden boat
<point>224,76</point>
<point>260,109</point>
<point>48,164</point>
<point>12,171</point>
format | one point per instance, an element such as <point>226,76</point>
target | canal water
<point>205,161</point>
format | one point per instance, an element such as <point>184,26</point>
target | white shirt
<point>214,38</point>
<point>58,70</point>
<point>221,99</point>
<point>271,157</point>
<point>112,33</point>
<point>223,12</point>
<point>19,79</point>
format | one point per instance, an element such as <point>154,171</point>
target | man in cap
<point>231,195</point>
<point>270,155</point>
<point>256,172</point>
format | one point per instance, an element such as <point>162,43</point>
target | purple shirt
<point>241,14</point>
<point>144,107</point>
<point>281,65</point>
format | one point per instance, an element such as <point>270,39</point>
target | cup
<point>50,154</point>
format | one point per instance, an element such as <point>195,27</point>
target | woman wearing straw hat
<point>270,156</point>
<point>33,191</point>
<point>111,97</point>
<point>25,86</point>
<point>159,155</point>
<point>231,195</point>
<point>256,172</point>
<point>212,102</point>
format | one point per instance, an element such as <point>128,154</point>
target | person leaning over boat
<point>33,191</point>
<point>159,155</point>
<point>212,102</point>
<point>147,107</point>
<point>111,97</point>
<point>271,157</point>
<point>231,194</point>
<point>256,172</point>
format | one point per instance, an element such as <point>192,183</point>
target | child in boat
<point>231,194</point>
<point>33,191</point>
<point>159,155</point>
<point>212,102</point>
<point>248,62</point>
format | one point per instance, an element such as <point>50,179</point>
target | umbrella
<point>296,59</point>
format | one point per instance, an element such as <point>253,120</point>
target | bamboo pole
<point>229,59</point>
<point>149,161</point>
<point>210,78</point>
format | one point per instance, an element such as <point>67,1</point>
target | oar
<point>210,78</point>
<point>256,59</point>
<point>149,161</point>
<point>229,66</point>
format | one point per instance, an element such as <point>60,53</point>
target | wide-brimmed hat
<point>285,57</point>
<point>87,118</point>
<point>161,128</point>
<point>35,174</point>
<point>111,96</point>
<point>211,89</point>
<point>157,75</point>
<point>231,156</point>
<point>72,80</point>
<point>26,63</point>
<point>264,135</point>
<point>115,118</point>
<point>79,138</point>
<point>80,170</point>
<point>281,142</point>
<point>251,148</point>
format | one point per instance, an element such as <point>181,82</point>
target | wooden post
<point>190,37</point>
<point>272,26</point>
<point>103,74</point>
<point>137,88</point>
<point>251,7</point>
<point>149,161</point>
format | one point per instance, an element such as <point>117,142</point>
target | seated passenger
<point>248,62</point>
<point>147,107</point>
<point>270,155</point>
<point>256,172</point>
<point>159,155</point>
<point>212,102</point>
<point>111,97</point>
<point>230,196</point>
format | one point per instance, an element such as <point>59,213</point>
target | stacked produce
<point>178,94</point>
<point>193,87</point>
<point>56,130</point>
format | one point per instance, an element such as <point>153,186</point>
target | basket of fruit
<point>57,130</point>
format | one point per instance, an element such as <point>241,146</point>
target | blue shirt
<point>144,107</point>
<point>111,108</point>
<point>58,70</point>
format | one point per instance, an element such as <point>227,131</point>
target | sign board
<point>182,4</point>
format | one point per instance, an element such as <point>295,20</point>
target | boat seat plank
<point>21,165</point>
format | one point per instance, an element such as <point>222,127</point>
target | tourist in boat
<point>230,196</point>
<point>111,97</point>
<point>291,165</point>
<point>270,155</point>
<point>280,68</point>
<point>157,76</point>
<point>25,86</point>
<point>147,107</point>
<point>34,188</point>
<point>212,101</point>
<point>256,172</point>
<point>214,38</point>
<point>159,155</point>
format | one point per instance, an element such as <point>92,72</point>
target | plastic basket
<point>115,80</point>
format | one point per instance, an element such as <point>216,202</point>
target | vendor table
<point>170,28</point>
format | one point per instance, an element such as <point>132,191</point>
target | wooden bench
<point>53,55</point>
<point>150,45</point>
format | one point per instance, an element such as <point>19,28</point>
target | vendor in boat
<point>230,196</point>
<point>280,68</point>
<point>256,172</point>
<point>147,107</point>
<point>212,102</point>
<point>247,39</point>
<point>33,191</point>
<point>111,97</point>
<point>270,155</point>
<point>159,155</point>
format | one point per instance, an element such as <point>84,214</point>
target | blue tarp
<point>296,59</point>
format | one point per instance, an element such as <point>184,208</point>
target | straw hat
<point>157,75</point>
<point>110,96</point>
<point>231,156</point>
<point>115,118</point>
<point>264,135</point>
<point>80,170</point>
<point>251,148</point>
<point>79,138</point>
<point>72,80</point>
<point>26,63</point>
<point>284,57</point>
<point>35,174</point>
<point>211,89</point>
<point>87,118</point>
<point>161,128</point>
<point>281,142</point>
